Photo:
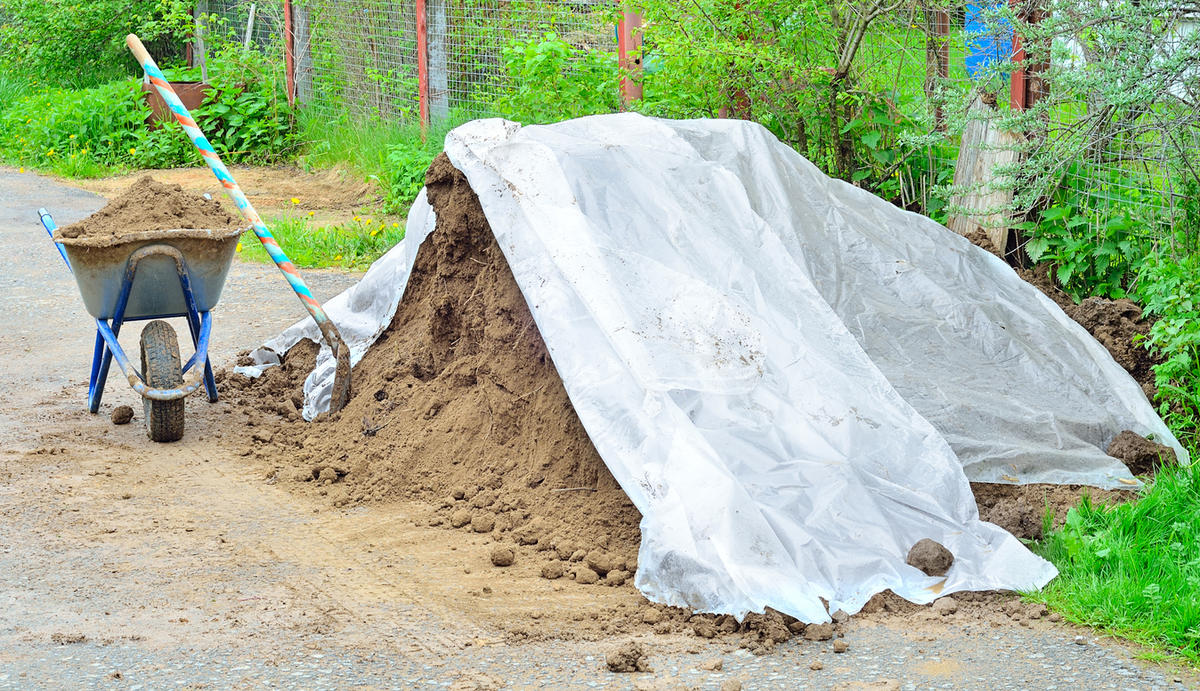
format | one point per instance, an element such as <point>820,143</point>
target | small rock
<point>483,523</point>
<point>327,476</point>
<point>715,664</point>
<point>460,518</point>
<point>503,556</point>
<point>553,570</point>
<point>628,658</point>
<point>1055,617</point>
<point>652,615</point>
<point>121,415</point>
<point>797,627</point>
<point>1080,640</point>
<point>731,685</point>
<point>945,606</point>
<point>818,632</point>
<point>840,617</point>
<point>704,628</point>
<point>585,575</point>
<point>840,646</point>
<point>1036,611</point>
<point>817,666</point>
<point>930,557</point>
<point>615,578</point>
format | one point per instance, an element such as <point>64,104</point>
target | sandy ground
<point>125,563</point>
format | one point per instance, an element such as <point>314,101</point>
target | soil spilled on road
<point>149,205</point>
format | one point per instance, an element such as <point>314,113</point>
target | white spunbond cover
<point>792,379</point>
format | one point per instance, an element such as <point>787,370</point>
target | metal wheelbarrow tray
<point>152,275</point>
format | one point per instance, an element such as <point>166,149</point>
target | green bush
<point>89,132</point>
<point>1169,289</point>
<point>82,44</point>
<point>552,81</point>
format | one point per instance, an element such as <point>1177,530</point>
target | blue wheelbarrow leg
<point>100,362</point>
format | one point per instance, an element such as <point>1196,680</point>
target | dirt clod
<point>151,205</point>
<point>121,415</point>
<point>1141,455</point>
<point>840,646</point>
<point>715,664</point>
<point>930,557</point>
<point>585,575</point>
<point>552,570</point>
<point>818,632</point>
<point>483,523</point>
<point>945,606</point>
<point>731,685</point>
<point>628,658</point>
<point>67,638</point>
<point>816,665</point>
<point>503,556</point>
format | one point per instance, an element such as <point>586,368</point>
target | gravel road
<point>125,564</point>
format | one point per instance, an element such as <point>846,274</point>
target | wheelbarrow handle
<point>341,384</point>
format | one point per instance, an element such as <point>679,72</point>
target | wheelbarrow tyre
<point>161,367</point>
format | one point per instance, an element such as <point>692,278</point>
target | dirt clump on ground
<point>931,557</point>
<point>1141,455</point>
<point>121,415</point>
<point>150,205</point>
<point>1021,509</point>
<point>1116,324</point>
<point>458,405</point>
<point>630,657</point>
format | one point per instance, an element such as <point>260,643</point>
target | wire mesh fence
<point>907,99</point>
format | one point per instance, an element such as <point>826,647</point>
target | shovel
<point>341,378</point>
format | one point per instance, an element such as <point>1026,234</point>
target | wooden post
<point>289,52</point>
<point>422,64</point>
<point>199,15</point>
<point>249,27</point>
<point>629,57</point>
<point>439,87</point>
<point>302,41</point>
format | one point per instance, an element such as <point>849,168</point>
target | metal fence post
<point>629,46</point>
<point>422,63</point>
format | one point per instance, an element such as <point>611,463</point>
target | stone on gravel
<point>817,666</point>
<point>628,658</point>
<point>715,664</point>
<point>1139,454</point>
<point>930,557</point>
<point>818,632</point>
<point>121,415</point>
<point>552,570</point>
<point>945,606</point>
<point>503,556</point>
<point>840,646</point>
<point>704,627</point>
<point>731,685</point>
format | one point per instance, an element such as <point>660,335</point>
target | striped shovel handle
<point>341,387</point>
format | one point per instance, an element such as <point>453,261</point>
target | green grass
<point>353,245</point>
<point>1133,570</point>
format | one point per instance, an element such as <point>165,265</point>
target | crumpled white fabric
<point>792,379</point>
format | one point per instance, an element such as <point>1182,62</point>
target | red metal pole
<point>289,52</point>
<point>423,63</point>
<point>629,45</point>
<point>1017,90</point>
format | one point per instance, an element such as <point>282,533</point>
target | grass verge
<point>1133,570</point>
<point>352,245</point>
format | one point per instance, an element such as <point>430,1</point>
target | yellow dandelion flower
<point>357,218</point>
<point>21,169</point>
<point>239,247</point>
<point>71,137</point>
<point>337,258</point>
<point>374,233</point>
<point>395,225</point>
<point>132,150</point>
<point>50,152</point>
<point>310,213</point>
<point>368,220</point>
<point>295,201</point>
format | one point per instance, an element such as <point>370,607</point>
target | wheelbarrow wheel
<point>161,367</point>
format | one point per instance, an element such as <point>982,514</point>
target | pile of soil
<point>149,205</point>
<point>1114,323</point>
<point>459,404</point>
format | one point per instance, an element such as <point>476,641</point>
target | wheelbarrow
<point>153,275</point>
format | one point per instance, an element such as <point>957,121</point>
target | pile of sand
<point>459,404</point>
<point>147,206</point>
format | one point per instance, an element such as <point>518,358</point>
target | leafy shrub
<point>1169,289</point>
<point>552,81</point>
<point>406,163</point>
<point>82,43</point>
<point>85,132</point>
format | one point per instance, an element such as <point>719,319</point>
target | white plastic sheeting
<point>792,379</point>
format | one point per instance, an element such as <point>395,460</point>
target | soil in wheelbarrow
<point>149,205</point>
